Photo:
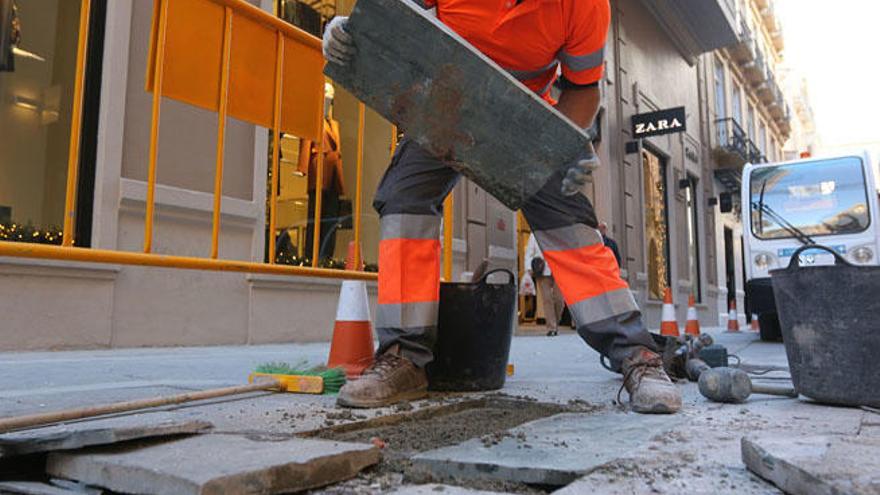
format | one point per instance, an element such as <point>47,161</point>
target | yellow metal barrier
<point>213,54</point>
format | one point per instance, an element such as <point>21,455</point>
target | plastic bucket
<point>830,319</point>
<point>473,335</point>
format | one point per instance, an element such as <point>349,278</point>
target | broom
<point>298,378</point>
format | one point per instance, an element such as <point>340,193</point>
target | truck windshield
<point>813,199</point>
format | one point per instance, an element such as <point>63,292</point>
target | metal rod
<point>319,197</point>
<point>76,124</point>
<point>276,143</point>
<point>221,131</point>
<point>448,210</point>
<point>42,419</point>
<point>154,125</point>
<point>44,251</point>
<point>359,184</point>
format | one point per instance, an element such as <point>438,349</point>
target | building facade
<point>658,194</point>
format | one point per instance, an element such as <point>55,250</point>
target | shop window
<point>37,77</point>
<point>656,224</point>
<point>693,233</point>
<point>298,187</point>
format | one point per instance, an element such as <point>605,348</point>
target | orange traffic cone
<point>692,327</point>
<point>732,318</point>
<point>352,345</point>
<point>668,324</point>
<point>756,325</point>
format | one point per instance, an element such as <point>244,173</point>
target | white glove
<point>577,175</point>
<point>337,44</point>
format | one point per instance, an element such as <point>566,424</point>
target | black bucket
<point>830,318</point>
<point>473,335</point>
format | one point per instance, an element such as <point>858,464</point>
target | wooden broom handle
<point>42,419</point>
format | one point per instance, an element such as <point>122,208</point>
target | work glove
<point>576,176</point>
<point>337,44</point>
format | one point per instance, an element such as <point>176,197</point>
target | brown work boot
<point>390,379</point>
<point>650,389</point>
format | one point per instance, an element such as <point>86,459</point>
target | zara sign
<point>659,123</point>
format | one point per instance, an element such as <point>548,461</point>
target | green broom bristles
<point>334,378</point>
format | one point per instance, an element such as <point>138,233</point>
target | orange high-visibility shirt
<point>531,39</point>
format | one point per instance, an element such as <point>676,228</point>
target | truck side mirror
<point>725,202</point>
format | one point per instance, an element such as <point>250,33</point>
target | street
<point>697,450</point>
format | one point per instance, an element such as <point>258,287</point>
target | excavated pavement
<point>696,451</point>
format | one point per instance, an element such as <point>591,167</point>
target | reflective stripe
<point>405,226</point>
<point>412,315</point>
<point>545,88</point>
<point>603,306</point>
<point>525,75</point>
<point>570,237</point>
<point>578,63</point>
<point>409,271</point>
<point>585,272</point>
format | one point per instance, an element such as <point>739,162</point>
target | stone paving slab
<point>98,432</point>
<point>215,464</point>
<point>33,488</point>
<point>816,465</point>
<point>435,489</point>
<point>550,451</point>
<point>450,99</point>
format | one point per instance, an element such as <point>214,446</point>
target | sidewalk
<point>699,451</point>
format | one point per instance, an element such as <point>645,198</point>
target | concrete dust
<point>408,433</point>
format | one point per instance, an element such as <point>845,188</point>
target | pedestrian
<point>539,270</point>
<point>610,243</point>
<point>534,40</point>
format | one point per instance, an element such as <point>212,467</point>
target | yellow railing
<point>216,71</point>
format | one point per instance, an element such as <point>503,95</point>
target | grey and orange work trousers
<point>410,201</point>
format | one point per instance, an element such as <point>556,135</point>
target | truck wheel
<point>770,329</point>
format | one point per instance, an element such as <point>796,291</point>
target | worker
<point>610,243</point>
<point>533,40</point>
<point>539,270</point>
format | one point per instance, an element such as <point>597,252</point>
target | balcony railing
<point>733,139</point>
<point>756,70</point>
<point>732,151</point>
<point>744,51</point>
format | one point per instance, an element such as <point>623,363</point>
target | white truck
<point>831,201</point>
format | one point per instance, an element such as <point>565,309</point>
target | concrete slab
<point>818,465</point>
<point>551,451</point>
<point>450,99</point>
<point>215,464</point>
<point>435,489</point>
<point>98,432</point>
<point>33,488</point>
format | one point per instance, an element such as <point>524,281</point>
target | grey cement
<point>215,464</point>
<point>33,488</point>
<point>98,432</point>
<point>435,489</point>
<point>820,465</point>
<point>552,451</point>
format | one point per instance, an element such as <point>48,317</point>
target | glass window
<point>693,231</point>
<point>298,167</point>
<point>720,101</point>
<point>751,122</point>
<point>818,198</point>
<point>37,76</point>
<point>762,138</point>
<point>656,224</point>
<point>736,103</point>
